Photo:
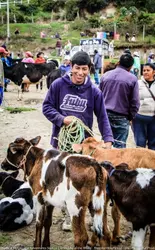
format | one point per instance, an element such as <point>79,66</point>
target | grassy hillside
<point>29,37</point>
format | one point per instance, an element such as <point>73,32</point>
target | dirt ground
<point>28,125</point>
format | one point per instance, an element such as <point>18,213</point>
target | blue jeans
<point>120,128</point>
<point>96,76</point>
<point>1,95</point>
<point>144,131</point>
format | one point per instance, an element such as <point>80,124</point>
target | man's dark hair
<point>95,51</point>
<point>81,58</point>
<point>126,60</point>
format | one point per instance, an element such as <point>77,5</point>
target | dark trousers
<point>144,131</point>
<point>120,129</point>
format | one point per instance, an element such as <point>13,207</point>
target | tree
<point>53,5</point>
<point>3,14</point>
<point>93,6</point>
<point>71,5</point>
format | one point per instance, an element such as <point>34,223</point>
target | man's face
<point>79,73</point>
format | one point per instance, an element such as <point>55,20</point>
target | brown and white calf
<point>134,157</point>
<point>59,179</point>
<point>134,193</point>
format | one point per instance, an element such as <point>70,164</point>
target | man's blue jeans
<point>96,76</point>
<point>144,131</point>
<point>120,128</point>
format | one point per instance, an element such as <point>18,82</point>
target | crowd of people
<point>120,98</point>
<point>127,98</point>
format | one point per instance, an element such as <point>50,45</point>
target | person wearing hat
<point>28,57</point>
<point>7,59</point>
<point>74,94</point>
<point>2,52</point>
<point>136,65</point>
<point>65,67</point>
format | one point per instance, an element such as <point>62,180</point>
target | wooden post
<point>102,64</point>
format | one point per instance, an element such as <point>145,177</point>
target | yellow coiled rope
<point>73,133</point>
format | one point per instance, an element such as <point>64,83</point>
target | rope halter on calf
<point>22,162</point>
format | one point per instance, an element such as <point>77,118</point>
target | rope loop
<point>73,133</point>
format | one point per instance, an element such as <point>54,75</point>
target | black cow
<point>53,76</point>
<point>27,73</point>
<point>58,73</point>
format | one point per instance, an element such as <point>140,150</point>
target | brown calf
<point>59,179</point>
<point>134,157</point>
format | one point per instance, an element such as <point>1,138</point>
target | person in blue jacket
<point>65,67</point>
<point>98,65</point>
<point>7,59</point>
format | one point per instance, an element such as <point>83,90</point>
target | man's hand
<point>108,145</point>
<point>67,120</point>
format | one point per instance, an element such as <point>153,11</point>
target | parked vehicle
<point>89,45</point>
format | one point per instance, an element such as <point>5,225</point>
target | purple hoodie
<point>66,99</point>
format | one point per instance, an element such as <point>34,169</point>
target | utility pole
<point>8,22</point>
<point>143,32</point>
<point>115,30</point>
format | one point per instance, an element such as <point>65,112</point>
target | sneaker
<point>66,226</point>
<point>1,110</point>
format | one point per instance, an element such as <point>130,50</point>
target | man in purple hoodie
<point>75,95</point>
<point>121,95</point>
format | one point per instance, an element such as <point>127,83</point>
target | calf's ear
<point>35,140</point>
<point>77,148</point>
<point>122,166</point>
<point>14,174</point>
<point>14,147</point>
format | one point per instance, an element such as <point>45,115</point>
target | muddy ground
<point>28,125</point>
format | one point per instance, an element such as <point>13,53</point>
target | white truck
<point>89,45</point>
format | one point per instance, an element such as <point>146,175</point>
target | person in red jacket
<point>40,59</point>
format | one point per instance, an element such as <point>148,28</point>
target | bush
<point>94,21</point>
<point>45,16</point>
<point>78,25</point>
<point>56,16</point>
